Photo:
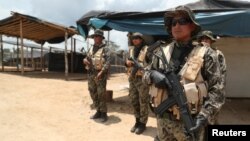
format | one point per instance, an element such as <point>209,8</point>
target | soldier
<point>138,91</point>
<point>196,68</point>
<point>97,63</point>
<point>207,38</point>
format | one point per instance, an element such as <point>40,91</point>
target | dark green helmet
<point>183,11</point>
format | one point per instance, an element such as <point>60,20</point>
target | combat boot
<point>135,126</point>
<point>103,117</point>
<point>141,128</point>
<point>96,115</point>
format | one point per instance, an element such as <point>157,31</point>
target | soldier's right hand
<point>86,62</point>
<point>129,63</point>
<point>158,79</point>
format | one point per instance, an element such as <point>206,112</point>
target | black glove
<point>158,79</point>
<point>200,121</point>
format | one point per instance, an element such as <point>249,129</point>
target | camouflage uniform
<point>222,63</point>
<point>138,91</point>
<point>97,88</point>
<point>222,66</point>
<point>179,56</point>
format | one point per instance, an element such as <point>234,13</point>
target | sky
<point>67,12</point>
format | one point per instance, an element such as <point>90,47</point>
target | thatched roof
<point>34,29</point>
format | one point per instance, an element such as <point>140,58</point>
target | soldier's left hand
<point>200,121</point>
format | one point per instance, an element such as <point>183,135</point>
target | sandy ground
<point>43,109</point>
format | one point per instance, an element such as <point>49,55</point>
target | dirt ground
<point>45,107</point>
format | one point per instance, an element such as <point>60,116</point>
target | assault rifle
<point>176,96</point>
<point>87,67</point>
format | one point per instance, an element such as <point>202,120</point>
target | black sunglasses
<point>181,21</point>
<point>136,37</point>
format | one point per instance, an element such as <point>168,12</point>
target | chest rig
<point>140,58</point>
<point>97,58</point>
<point>193,83</point>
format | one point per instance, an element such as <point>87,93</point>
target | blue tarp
<point>224,23</point>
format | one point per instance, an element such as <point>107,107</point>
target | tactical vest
<point>194,85</point>
<point>140,59</point>
<point>97,58</point>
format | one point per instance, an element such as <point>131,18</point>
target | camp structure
<point>38,30</point>
<point>229,20</point>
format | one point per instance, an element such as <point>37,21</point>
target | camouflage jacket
<point>210,73</point>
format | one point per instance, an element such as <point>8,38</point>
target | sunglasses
<point>181,21</point>
<point>136,37</point>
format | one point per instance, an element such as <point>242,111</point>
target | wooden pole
<point>27,57</point>
<point>41,60</point>
<point>21,36</point>
<point>74,45</point>
<point>17,53</point>
<point>72,56</point>
<point>66,56</point>
<point>32,59</point>
<point>108,39</point>
<point>1,42</point>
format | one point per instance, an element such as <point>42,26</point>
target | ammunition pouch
<point>158,95</point>
<point>195,94</point>
<point>193,67</point>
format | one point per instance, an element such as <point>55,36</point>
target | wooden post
<point>41,60</point>
<point>108,39</point>
<point>1,42</point>
<point>72,57</point>
<point>32,59</point>
<point>17,54</point>
<point>66,56</point>
<point>74,45</point>
<point>21,36</point>
<point>27,57</point>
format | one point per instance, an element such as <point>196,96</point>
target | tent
<point>219,16</point>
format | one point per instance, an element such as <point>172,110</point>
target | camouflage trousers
<point>138,93</point>
<point>173,130</point>
<point>97,90</point>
